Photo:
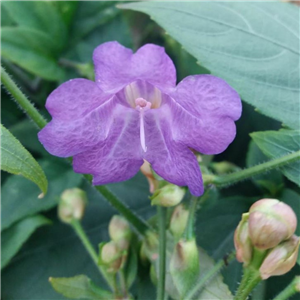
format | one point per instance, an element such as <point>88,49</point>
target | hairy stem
<point>22,100</point>
<point>290,290</point>
<point>225,180</point>
<point>139,224</point>
<point>209,275</point>
<point>161,211</point>
<point>90,249</point>
<point>189,229</point>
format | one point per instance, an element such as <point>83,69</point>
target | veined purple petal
<point>119,157</point>
<point>74,99</point>
<point>67,138</point>
<point>116,66</point>
<point>172,160</point>
<point>203,113</point>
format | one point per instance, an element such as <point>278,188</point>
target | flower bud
<point>169,195</point>
<point>184,265</point>
<point>224,167</point>
<point>119,231</point>
<point>242,241</point>
<point>149,247</point>
<point>178,221</point>
<point>72,205</point>
<point>110,257</point>
<point>280,259</point>
<point>270,222</point>
<point>146,170</point>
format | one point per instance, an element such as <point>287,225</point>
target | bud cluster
<point>113,254</point>
<point>268,227</point>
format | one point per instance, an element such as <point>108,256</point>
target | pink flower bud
<point>270,222</point>
<point>119,232</point>
<point>242,241</point>
<point>146,170</point>
<point>280,259</point>
<point>72,205</point>
<point>111,257</point>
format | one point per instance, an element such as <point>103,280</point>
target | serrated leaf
<point>16,159</point>
<point>275,144</point>
<point>19,197</point>
<point>253,46</point>
<point>79,287</point>
<point>32,50</point>
<point>14,237</point>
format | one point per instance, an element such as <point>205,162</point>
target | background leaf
<point>253,46</point>
<point>79,287</point>
<point>13,238</point>
<point>16,159</point>
<point>56,251</point>
<point>20,200</point>
<point>279,143</point>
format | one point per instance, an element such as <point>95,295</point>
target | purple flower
<point>134,112</point>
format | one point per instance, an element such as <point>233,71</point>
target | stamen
<point>142,105</point>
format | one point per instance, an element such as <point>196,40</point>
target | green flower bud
<point>167,196</point>
<point>72,205</point>
<point>119,231</point>
<point>242,241</point>
<point>110,257</point>
<point>280,259</point>
<point>178,221</point>
<point>224,167</point>
<point>184,265</point>
<point>149,247</point>
<point>270,222</point>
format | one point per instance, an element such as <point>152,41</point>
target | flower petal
<point>204,113</point>
<point>67,138</point>
<point>117,158</point>
<point>74,99</point>
<point>171,160</point>
<point>116,66</point>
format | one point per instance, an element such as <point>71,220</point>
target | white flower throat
<point>142,105</point>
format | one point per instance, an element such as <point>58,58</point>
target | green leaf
<point>56,251</point>
<point>253,46</point>
<point>272,182</point>
<point>66,9</point>
<point>16,159</point>
<point>276,144</point>
<point>79,287</point>
<point>19,197</point>
<point>216,288</point>
<point>39,15</point>
<point>32,50</point>
<point>14,237</point>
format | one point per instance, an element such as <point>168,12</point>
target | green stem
<point>189,232</point>
<point>251,277</point>
<point>290,290</point>
<point>161,211</point>
<point>21,99</point>
<point>90,249</point>
<point>209,275</point>
<point>229,179</point>
<point>140,225</point>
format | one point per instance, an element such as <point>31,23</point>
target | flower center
<point>142,105</point>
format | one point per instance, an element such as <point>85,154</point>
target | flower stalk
<point>225,180</point>
<point>290,290</point>
<point>161,211</point>
<point>76,225</point>
<point>189,230</point>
